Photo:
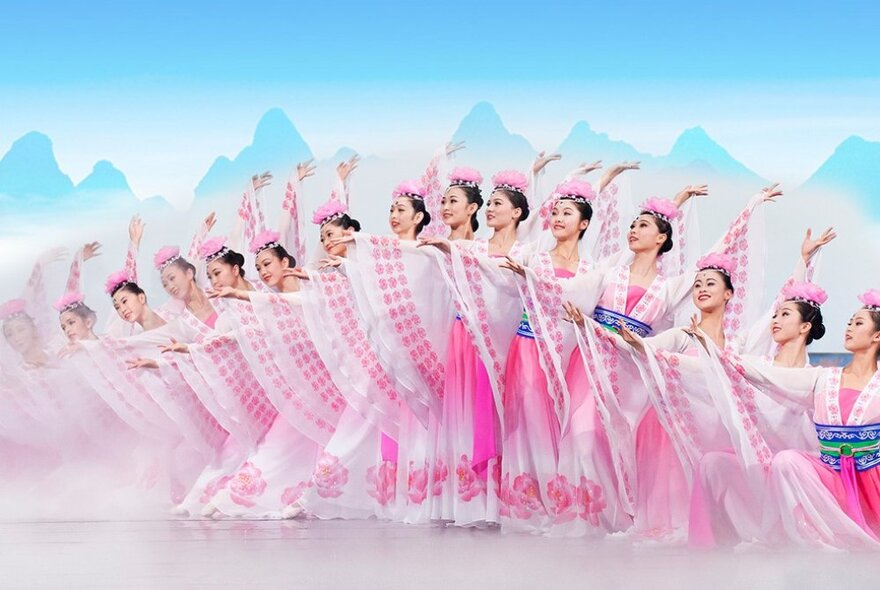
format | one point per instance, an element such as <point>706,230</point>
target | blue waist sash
<point>613,321</point>
<point>525,329</point>
<point>862,443</point>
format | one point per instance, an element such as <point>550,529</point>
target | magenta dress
<point>531,437</point>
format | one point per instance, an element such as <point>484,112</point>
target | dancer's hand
<point>90,250</point>
<point>586,168</point>
<point>809,247</point>
<point>136,230</point>
<point>689,192</point>
<point>616,171</point>
<point>225,293</point>
<point>174,346</point>
<point>439,243</point>
<point>451,147</point>
<point>261,181</point>
<point>209,223</point>
<point>632,339</point>
<point>142,363</point>
<point>331,262</point>
<point>694,331</point>
<point>52,255</point>
<point>510,264</point>
<point>573,313</point>
<point>771,193</point>
<point>296,273</point>
<point>305,169</point>
<point>69,350</point>
<point>542,160</point>
<point>344,169</point>
<point>347,239</point>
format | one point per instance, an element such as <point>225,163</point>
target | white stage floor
<point>368,554</point>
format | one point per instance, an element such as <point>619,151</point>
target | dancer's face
<point>500,212</point>
<point>271,268</point>
<point>709,291</point>
<point>455,209</point>
<point>787,324</point>
<point>129,306</point>
<point>76,327</point>
<point>861,333</point>
<point>644,235</point>
<point>331,232</point>
<point>177,282</point>
<point>403,219</point>
<point>222,274</point>
<point>20,333</point>
<point>565,221</point>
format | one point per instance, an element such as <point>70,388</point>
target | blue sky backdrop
<point>163,88</point>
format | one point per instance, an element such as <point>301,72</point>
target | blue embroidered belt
<point>862,443</point>
<point>613,320</point>
<point>525,329</point>
<point>458,316</point>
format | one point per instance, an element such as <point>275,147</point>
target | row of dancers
<point>551,379</point>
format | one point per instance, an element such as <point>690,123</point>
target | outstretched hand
<point>573,313</point>
<point>542,160</point>
<point>771,193</point>
<point>344,169</point>
<point>52,255</point>
<point>296,273</point>
<point>689,192</point>
<point>174,346</point>
<point>441,244</point>
<point>511,264</point>
<point>585,168</point>
<point>695,332</point>
<point>452,147</point>
<point>331,262</point>
<point>142,363</point>
<point>90,250</point>
<point>136,230</point>
<point>223,293</point>
<point>810,246</point>
<point>260,181</point>
<point>305,169</point>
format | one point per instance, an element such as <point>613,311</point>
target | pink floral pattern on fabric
<point>590,501</point>
<point>214,486</point>
<point>431,181</point>
<point>330,476</point>
<point>746,408</point>
<point>337,292</point>
<point>417,484</point>
<point>248,483</point>
<point>674,407</point>
<point>398,299</point>
<point>292,494</point>
<point>469,483</point>
<point>608,242</point>
<point>562,499</point>
<point>295,241</point>
<point>441,473</point>
<point>522,499</point>
<point>382,480</point>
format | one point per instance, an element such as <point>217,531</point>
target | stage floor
<point>367,554</point>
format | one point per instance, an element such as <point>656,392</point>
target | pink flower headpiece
<point>332,209</point>
<point>662,208</point>
<point>464,176</point>
<point>12,309</point>
<point>720,262</point>
<point>410,188</point>
<point>264,240</point>
<point>808,293</point>
<point>165,256</point>
<point>871,299</point>
<point>68,301</point>
<point>116,281</point>
<point>575,190</point>
<point>213,249</point>
<point>510,180</point>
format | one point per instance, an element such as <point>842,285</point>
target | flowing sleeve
<point>291,228</point>
<point>432,180</point>
<point>74,276</point>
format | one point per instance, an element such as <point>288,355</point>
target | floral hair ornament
<point>264,240</point>
<point>464,176</point>
<point>510,180</point>
<point>116,281</point>
<point>808,293</point>
<point>165,256</point>
<point>720,262</point>
<point>13,309</point>
<point>662,208</point>
<point>410,188</point>
<point>575,190</point>
<point>871,299</point>
<point>69,301</point>
<point>332,209</point>
<point>213,249</point>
